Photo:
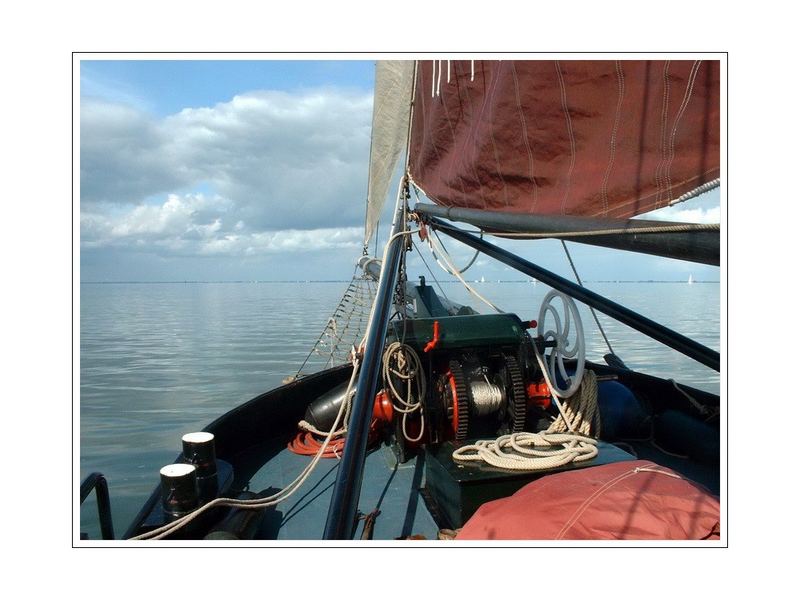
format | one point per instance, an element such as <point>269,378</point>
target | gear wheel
<point>458,388</point>
<point>518,401</point>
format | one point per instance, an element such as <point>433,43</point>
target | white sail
<point>390,114</point>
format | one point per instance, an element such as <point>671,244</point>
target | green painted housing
<point>462,331</point>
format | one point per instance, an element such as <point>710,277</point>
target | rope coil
<point>529,451</point>
<point>567,440</point>
<point>486,397</point>
<point>400,362</point>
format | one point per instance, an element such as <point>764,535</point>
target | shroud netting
<point>345,327</point>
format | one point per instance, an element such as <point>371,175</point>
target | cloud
<point>272,160</point>
<point>703,209</point>
<point>196,225</point>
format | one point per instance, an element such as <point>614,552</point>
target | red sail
<point>585,138</point>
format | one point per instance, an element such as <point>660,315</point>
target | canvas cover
<point>631,500</point>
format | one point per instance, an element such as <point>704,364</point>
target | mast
<point>341,520</point>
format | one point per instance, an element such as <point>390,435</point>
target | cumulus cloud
<point>274,161</point>
<point>178,226</point>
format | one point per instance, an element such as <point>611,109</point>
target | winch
<point>476,369</point>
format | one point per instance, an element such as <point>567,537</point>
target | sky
<point>232,170</point>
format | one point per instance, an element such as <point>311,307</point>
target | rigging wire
<point>469,264</point>
<point>446,257</point>
<point>580,283</point>
<point>439,285</point>
<point>474,256</point>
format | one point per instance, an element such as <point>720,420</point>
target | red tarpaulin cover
<point>631,500</point>
<point>581,138</point>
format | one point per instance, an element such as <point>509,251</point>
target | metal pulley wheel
<point>565,322</point>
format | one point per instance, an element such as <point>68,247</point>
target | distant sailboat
<point>691,279</point>
<point>483,279</point>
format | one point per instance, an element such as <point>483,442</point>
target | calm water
<point>160,360</point>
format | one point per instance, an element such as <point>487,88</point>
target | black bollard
<point>179,489</point>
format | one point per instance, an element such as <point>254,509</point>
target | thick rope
<point>529,451</point>
<point>710,185</point>
<point>581,413</point>
<point>400,361</point>
<point>568,439</point>
<point>446,257</point>
<point>464,269</point>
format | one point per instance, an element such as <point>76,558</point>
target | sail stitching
<point>426,124</point>
<point>472,133</point>
<point>568,119</point>
<point>664,113</point>
<point>687,96</point>
<point>620,97</point>
<point>453,135</point>
<point>525,137</point>
<point>690,194</point>
<point>490,103</point>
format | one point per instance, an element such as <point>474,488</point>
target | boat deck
<point>388,486</point>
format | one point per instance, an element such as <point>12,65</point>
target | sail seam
<point>620,98</point>
<point>525,137</point>
<point>687,96</point>
<point>490,102</point>
<point>656,204</point>
<point>453,135</point>
<point>471,133</point>
<point>571,133</point>
<point>664,119</point>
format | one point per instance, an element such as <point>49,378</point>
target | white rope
<point>710,185</point>
<point>581,413</point>
<point>566,440</point>
<point>402,362</point>
<point>454,271</point>
<point>529,451</point>
<point>463,269</point>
